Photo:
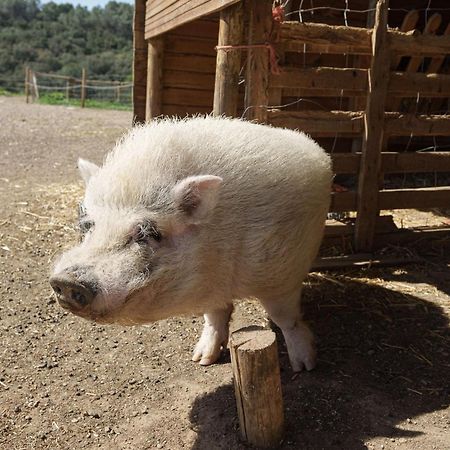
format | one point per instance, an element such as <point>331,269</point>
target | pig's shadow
<point>383,360</point>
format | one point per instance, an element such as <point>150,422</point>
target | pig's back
<point>257,163</point>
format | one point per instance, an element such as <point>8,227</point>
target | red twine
<point>274,68</point>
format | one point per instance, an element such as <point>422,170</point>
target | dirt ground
<point>383,378</point>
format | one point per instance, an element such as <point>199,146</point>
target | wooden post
<point>83,87</point>
<point>368,209</point>
<point>35,86</point>
<point>27,84</point>
<point>154,78</point>
<point>67,90</point>
<point>118,92</point>
<point>257,385</point>
<point>228,63</point>
<point>258,67</point>
<point>139,62</point>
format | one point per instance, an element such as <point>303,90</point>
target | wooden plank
<point>190,45</point>
<point>352,40</point>
<point>393,162</point>
<point>329,38</point>
<point>228,63</point>
<point>414,44</point>
<point>416,198</point>
<point>189,97</point>
<point>324,123</point>
<point>369,173</point>
<point>139,63</point>
<point>397,124</point>
<point>257,71</point>
<point>204,28</point>
<point>188,80</point>
<point>185,12</point>
<point>428,85</point>
<point>343,201</point>
<point>419,198</point>
<point>184,110</point>
<point>202,64</point>
<point>321,78</point>
<point>154,78</point>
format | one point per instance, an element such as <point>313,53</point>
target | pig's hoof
<point>208,349</point>
<point>306,361</point>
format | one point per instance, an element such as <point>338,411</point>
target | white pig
<point>186,216</point>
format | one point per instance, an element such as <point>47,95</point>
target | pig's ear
<point>197,196</point>
<point>87,169</point>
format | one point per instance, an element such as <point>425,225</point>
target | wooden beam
<point>343,201</point>
<point>416,44</point>
<point>369,173</point>
<point>321,78</point>
<point>228,63</point>
<point>433,197</point>
<point>258,67</point>
<point>294,36</point>
<point>397,124</point>
<point>154,99</point>
<point>321,38</point>
<point>179,13</point>
<point>139,63</point>
<point>415,198</point>
<point>408,84</point>
<point>395,162</point>
<point>323,123</point>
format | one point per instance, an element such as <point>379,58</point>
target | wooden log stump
<point>257,385</point>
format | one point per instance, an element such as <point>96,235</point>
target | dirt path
<point>383,335</point>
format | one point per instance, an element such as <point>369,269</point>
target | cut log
<point>257,385</point>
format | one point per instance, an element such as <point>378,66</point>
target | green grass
<point>58,98</point>
<point>7,93</point>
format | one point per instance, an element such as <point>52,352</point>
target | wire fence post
<point>83,87</point>
<point>27,84</point>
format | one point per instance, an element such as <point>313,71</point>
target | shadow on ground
<point>383,360</point>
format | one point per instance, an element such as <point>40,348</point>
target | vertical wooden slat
<point>228,63</point>
<point>154,78</point>
<point>373,136</point>
<point>257,78</point>
<point>139,62</point>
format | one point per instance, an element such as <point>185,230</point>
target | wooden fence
<point>337,83</point>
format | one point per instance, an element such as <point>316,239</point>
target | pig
<point>186,216</point>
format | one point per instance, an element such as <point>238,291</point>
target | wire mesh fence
<point>61,89</point>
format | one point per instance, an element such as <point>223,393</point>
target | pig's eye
<point>85,226</point>
<point>146,231</point>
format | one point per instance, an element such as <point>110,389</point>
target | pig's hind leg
<point>286,314</point>
<point>214,336</point>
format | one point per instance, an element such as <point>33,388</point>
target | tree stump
<point>257,385</point>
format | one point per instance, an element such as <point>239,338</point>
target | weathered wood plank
<point>397,124</point>
<point>369,173</point>
<point>228,63</point>
<point>154,78</point>
<point>181,14</point>
<point>320,78</point>
<point>139,62</point>
<point>324,123</point>
<point>393,162</point>
<point>257,74</point>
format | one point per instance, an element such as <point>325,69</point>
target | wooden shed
<point>369,81</point>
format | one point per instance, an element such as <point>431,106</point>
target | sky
<point>88,3</point>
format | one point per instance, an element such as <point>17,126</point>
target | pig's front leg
<point>214,336</point>
<point>285,312</point>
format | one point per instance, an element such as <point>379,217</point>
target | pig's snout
<point>71,292</point>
